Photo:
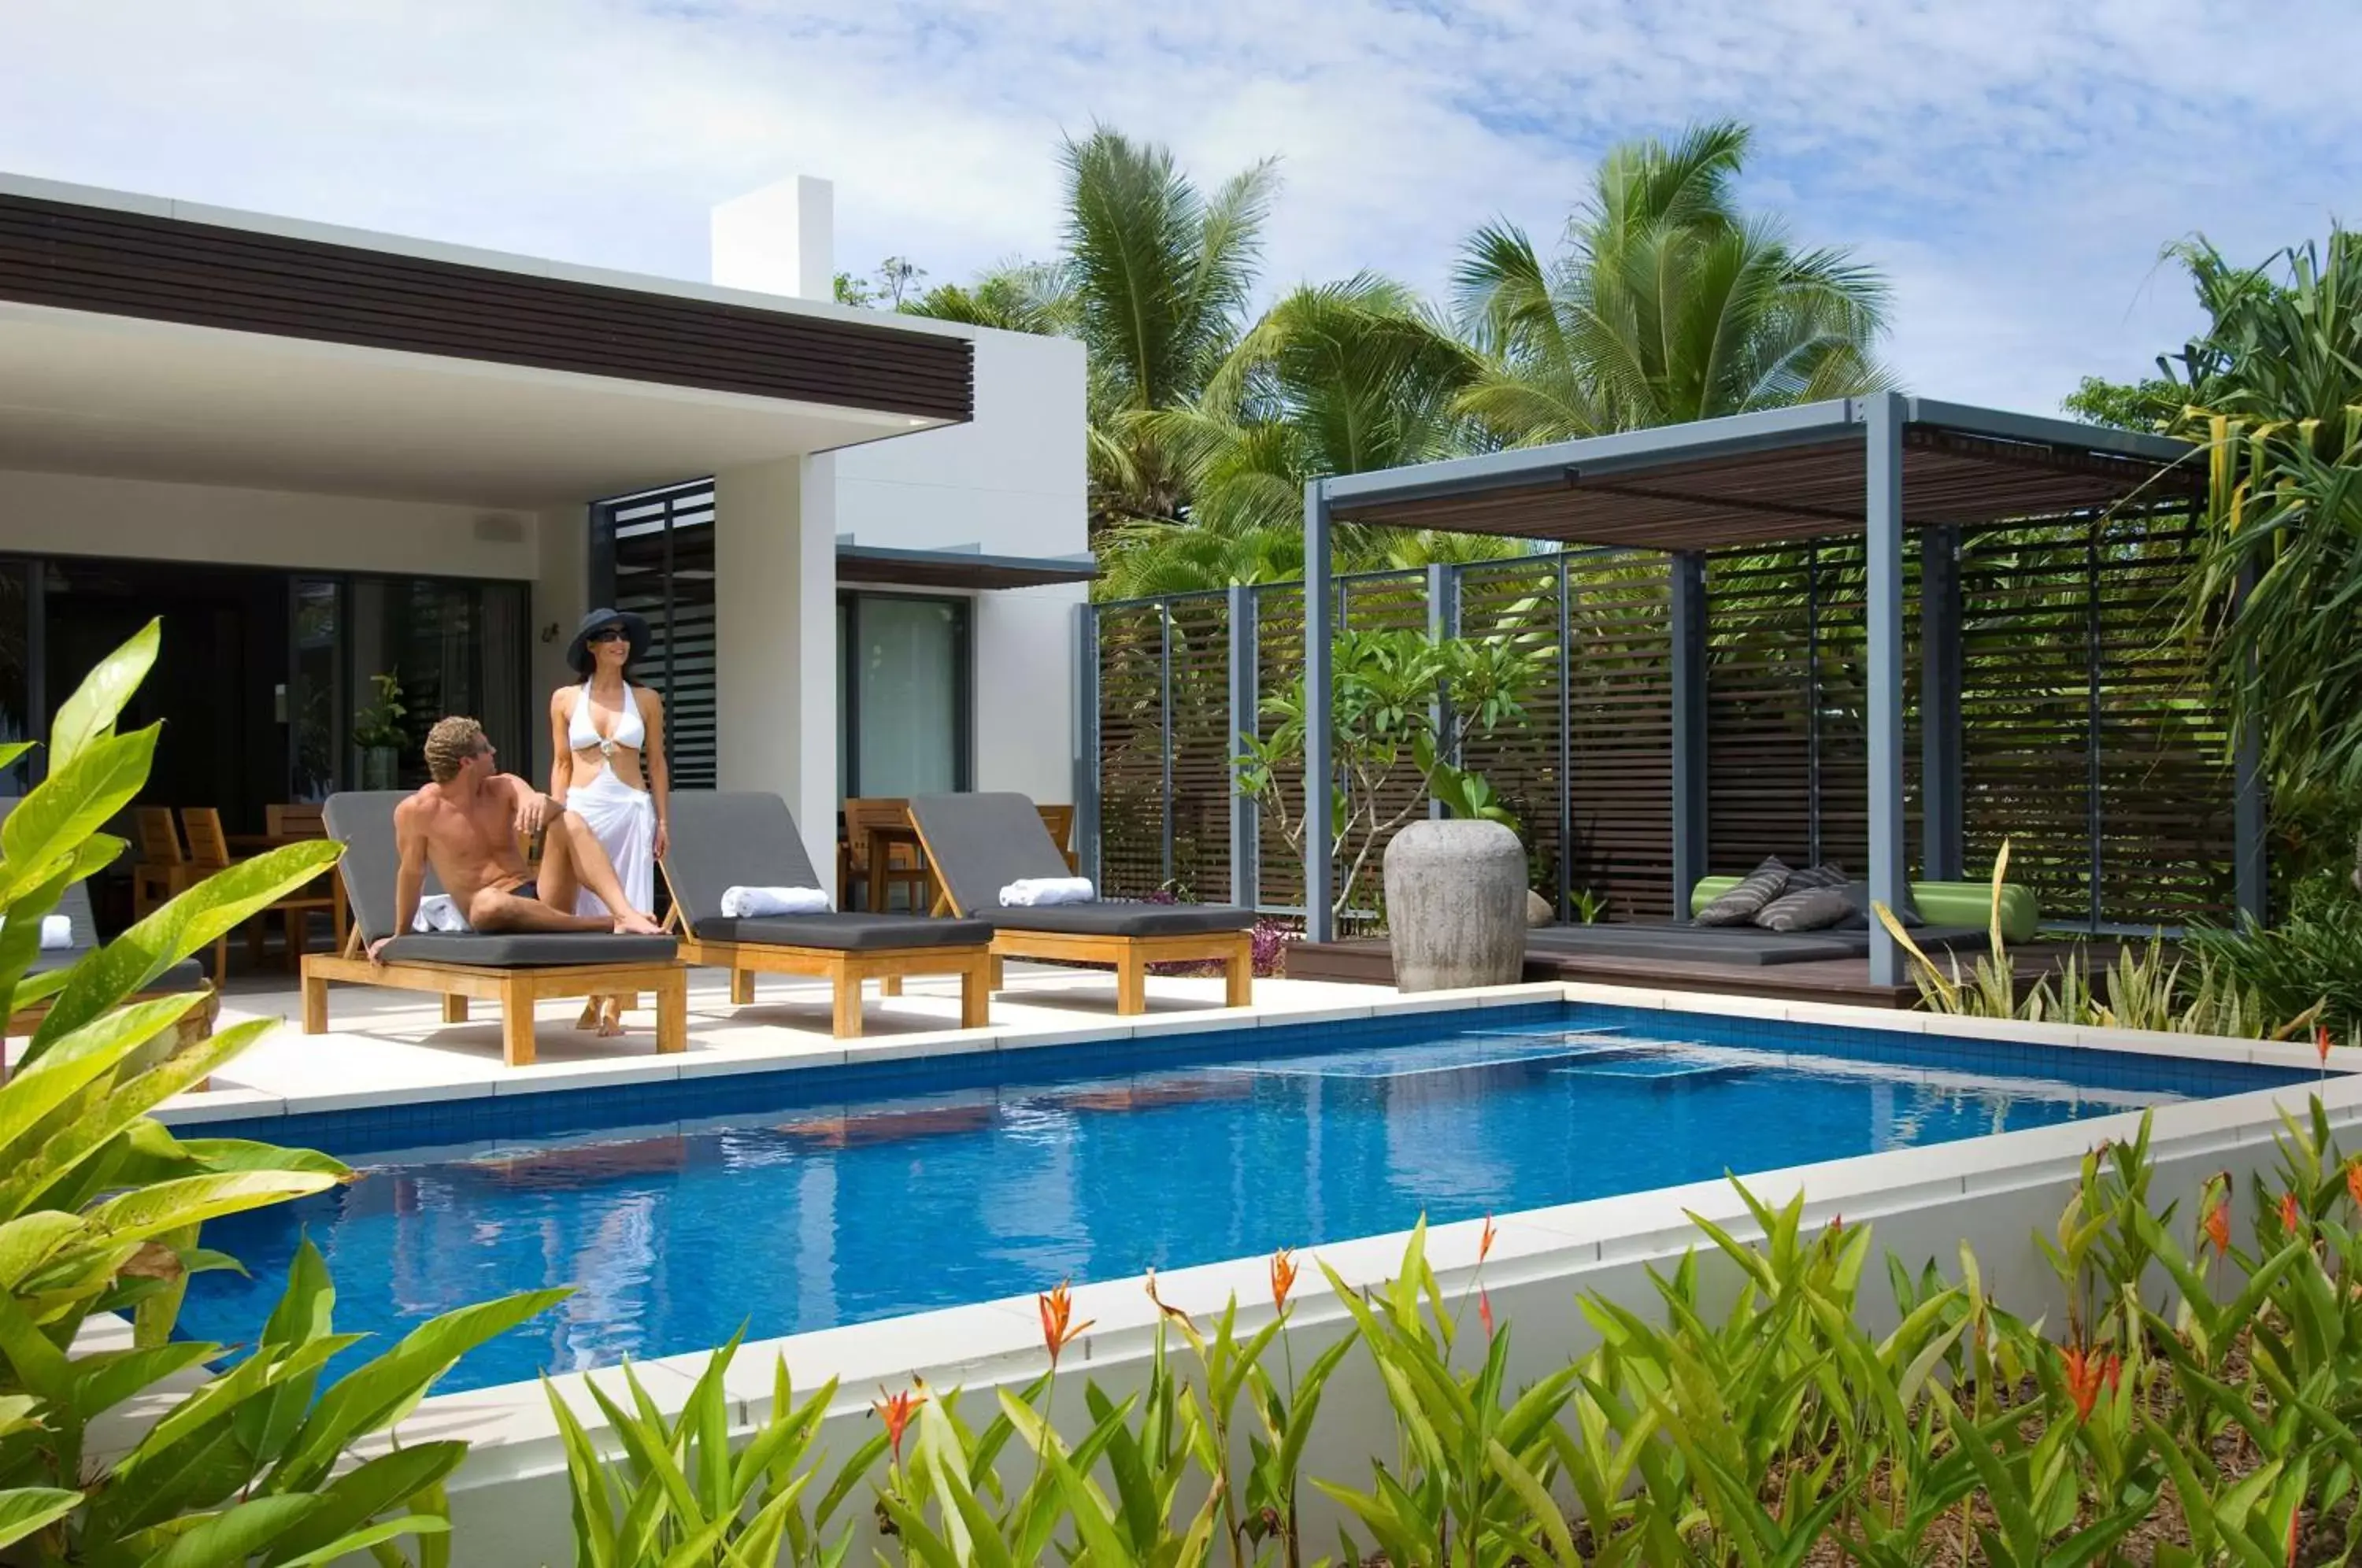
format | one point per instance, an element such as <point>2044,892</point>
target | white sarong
<point>624,820</point>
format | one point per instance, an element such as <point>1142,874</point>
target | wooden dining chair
<point>209,852</point>
<point>905,866</point>
<point>1060,821</point>
<point>287,824</point>
<point>298,823</point>
<point>162,869</point>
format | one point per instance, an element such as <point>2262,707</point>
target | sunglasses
<point>610,635</point>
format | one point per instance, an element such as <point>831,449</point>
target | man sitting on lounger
<point>465,825</point>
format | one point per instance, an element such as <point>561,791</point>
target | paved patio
<point>387,1045</point>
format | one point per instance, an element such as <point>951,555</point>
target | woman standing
<point>607,742</point>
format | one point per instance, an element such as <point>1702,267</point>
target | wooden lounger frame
<point>194,1027</point>
<point>1129,956</point>
<point>516,989</point>
<point>845,969</point>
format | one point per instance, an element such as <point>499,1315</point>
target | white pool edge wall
<point>510,1503</point>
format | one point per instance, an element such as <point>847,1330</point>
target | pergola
<point>1873,466</point>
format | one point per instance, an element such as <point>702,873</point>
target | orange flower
<point>895,1410</point>
<point>1058,1328</point>
<point>2291,1217</point>
<point>2115,1372</point>
<point>2354,1180</point>
<point>2218,1225</point>
<point>1836,1226</point>
<point>1484,1311</point>
<point>2293,1515</point>
<point>2085,1377</point>
<point>2320,1042</point>
<point>1283,1276</point>
<point>1485,1242</point>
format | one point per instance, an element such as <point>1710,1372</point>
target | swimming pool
<point>800,1199</point>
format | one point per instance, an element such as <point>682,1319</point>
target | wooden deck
<point>1369,962</point>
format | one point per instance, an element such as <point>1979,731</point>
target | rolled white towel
<point>56,933</point>
<point>753,903</point>
<point>1039,892</point>
<point>439,912</point>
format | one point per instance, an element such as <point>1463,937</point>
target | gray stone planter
<point>1456,905</point>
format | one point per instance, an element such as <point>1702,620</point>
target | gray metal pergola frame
<point>1880,422</point>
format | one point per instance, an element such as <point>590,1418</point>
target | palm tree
<point>1669,304</point>
<point>1156,278</point>
<point>1334,379</point>
<point>1016,296</point>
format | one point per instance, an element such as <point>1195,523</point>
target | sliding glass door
<point>904,709</point>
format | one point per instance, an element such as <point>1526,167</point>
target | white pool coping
<point>998,1342</point>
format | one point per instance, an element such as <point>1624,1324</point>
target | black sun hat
<point>578,652</point>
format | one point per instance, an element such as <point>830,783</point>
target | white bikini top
<point>582,731</point>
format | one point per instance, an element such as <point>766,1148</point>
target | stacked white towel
<point>56,933</point>
<point>439,912</point>
<point>1039,892</point>
<point>753,903</point>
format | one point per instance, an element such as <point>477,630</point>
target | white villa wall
<point>774,628</point>
<point>1010,482</point>
<point>82,514</point>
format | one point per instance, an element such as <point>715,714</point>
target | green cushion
<point>1940,903</point>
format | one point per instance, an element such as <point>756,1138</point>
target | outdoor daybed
<point>979,845</point>
<point>725,839</point>
<point>515,969</point>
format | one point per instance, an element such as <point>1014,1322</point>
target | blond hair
<point>450,744</point>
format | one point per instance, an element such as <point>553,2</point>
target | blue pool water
<point>795,1201</point>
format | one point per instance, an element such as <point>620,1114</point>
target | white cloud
<point>2015,164</point>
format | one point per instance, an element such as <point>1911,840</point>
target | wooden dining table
<point>250,843</point>
<point>878,841</point>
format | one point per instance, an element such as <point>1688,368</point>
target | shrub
<point>100,1208</point>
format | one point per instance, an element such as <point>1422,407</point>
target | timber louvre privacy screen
<point>2087,737</point>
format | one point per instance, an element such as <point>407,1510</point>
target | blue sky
<point>2013,166</point>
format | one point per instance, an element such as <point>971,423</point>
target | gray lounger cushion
<point>362,820</point>
<point>726,838</point>
<point>980,844</point>
<point>528,949</point>
<point>1115,918</point>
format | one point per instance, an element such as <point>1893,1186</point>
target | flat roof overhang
<point>1764,479</point>
<point>881,566</point>
<point>143,338</point>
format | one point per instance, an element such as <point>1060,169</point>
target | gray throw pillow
<point>1737,906</point>
<point>1827,874</point>
<point>1857,916</point>
<point>1807,909</point>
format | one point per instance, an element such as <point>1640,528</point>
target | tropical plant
<point>2308,966</point>
<point>1392,754</point>
<point>1016,296</point>
<point>100,1210</point>
<point>679,1495</point>
<point>378,724</point>
<point>1160,276</point>
<point>1669,304</point>
<point>2275,393</point>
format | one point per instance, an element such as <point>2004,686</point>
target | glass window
<point>905,709</point>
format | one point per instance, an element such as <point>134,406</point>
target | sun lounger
<point>981,843</point>
<point>515,969</point>
<point>721,840</point>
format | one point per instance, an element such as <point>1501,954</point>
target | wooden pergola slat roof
<point>1793,474</point>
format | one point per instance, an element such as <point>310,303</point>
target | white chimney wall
<point>781,240</point>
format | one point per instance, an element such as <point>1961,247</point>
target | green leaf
<point>25,1510</point>
<point>71,805</point>
<point>90,713</point>
<point>219,904</point>
<point>227,1540</point>
<point>375,1396</point>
